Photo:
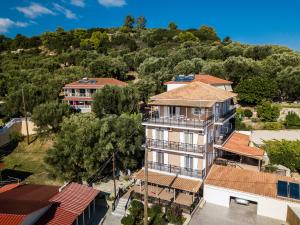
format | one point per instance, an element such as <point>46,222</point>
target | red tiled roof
<point>2,166</point>
<point>75,197</point>
<point>21,207</point>
<point>100,82</point>
<point>239,144</point>
<point>8,219</point>
<point>8,187</point>
<point>204,78</point>
<point>254,182</point>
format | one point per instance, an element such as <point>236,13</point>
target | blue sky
<point>247,21</point>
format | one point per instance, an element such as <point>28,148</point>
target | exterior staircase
<point>120,209</point>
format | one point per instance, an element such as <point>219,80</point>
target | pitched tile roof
<point>8,187</point>
<point>172,181</point>
<point>248,181</point>
<point>194,92</point>
<point>239,144</point>
<point>7,219</point>
<point>99,82</point>
<point>204,78</point>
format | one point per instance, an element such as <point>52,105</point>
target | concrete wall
<point>293,216</point>
<point>18,126</point>
<point>173,86</point>
<point>266,206</point>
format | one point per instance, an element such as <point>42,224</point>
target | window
<point>198,111</point>
<point>160,157</point>
<point>159,134</point>
<point>172,111</point>
<point>188,162</point>
<point>188,138</point>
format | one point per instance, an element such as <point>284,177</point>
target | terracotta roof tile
<point>258,183</point>
<point>9,219</point>
<point>204,78</point>
<point>239,143</point>
<point>8,187</point>
<point>100,82</point>
<point>172,181</point>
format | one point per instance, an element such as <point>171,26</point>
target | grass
<point>288,105</point>
<point>30,159</point>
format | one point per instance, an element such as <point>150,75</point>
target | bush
<point>273,126</point>
<point>174,215</point>
<point>248,113</point>
<point>156,215</point>
<point>255,120</point>
<point>268,112</point>
<point>15,137</point>
<point>128,220</point>
<point>239,125</point>
<point>292,120</point>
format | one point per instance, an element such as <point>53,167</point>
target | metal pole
<point>146,189</point>
<point>114,176</point>
<point>25,112</point>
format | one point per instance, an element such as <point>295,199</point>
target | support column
<point>94,206</point>
<point>89,211</point>
<point>174,195</point>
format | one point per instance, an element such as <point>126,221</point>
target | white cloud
<point>6,24</point>
<point>34,10</point>
<point>112,3</point>
<point>68,13</point>
<point>79,3</point>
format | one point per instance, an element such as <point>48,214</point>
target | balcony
<point>85,95</point>
<point>180,121</point>
<point>175,146</point>
<point>177,170</point>
<point>226,115</point>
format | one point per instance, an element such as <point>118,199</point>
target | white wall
<point>266,206</point>
<point>173,86</point>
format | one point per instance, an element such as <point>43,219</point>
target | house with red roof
<point>79,94</point>
<point>43,204</point>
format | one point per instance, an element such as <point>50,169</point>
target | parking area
<point>237,214</point>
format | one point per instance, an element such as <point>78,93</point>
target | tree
<point>172,26</point>
<point>258,52</point>
<point>49,115</point>
<point>268,112</point>
<point>289,82</point>
<point>254,90</point>
<point>248,113</point>
<point>292,120</point>
<point>207,33</point>
<point>141,23</point>
<point>98,41</point>
<point>186,36</point>
<point>136,214</point>
<point>151,65</point>
<point>115,100</point>
<point>129,22</point>
<point>284,152</point>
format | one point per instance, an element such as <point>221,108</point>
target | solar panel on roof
<point>282,188</point>
<point>294,190</point>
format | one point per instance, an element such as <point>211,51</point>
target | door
<point>160,157</point>
<point>188,162</point>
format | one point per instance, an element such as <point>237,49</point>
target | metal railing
<point>180,121</point>
<point>78,95</point>
<point>176,146</point>
<point>223,117</point>
<point>11,123</point>
<point>177,170</point>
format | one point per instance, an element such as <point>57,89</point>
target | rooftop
<point>195,93</point>
<point>257,183</point>
<point>171,181</point>
<point>95,83</point>
<point>238,143</point>
<point>204,78</point>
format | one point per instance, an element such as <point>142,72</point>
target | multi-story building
<point>182,127</point>
<point>79,93</point>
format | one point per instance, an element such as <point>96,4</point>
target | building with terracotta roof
<point>271,193</point>
<point>79,93</point>
<point>44,204</point>
<point>182,80</point>
<point>181,129</point>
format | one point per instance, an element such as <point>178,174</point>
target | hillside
<point>42,65</point>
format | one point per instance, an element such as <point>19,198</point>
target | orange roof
<point>8,187</point>
<point>11,219</point>
<point>204,78</point>
<point>98,83</point>
<point>254,182</point>
<point>239,144</point>
<point>172,181</point>
<point>195,91</point>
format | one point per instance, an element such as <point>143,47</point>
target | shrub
<point>292,120</point>
<point>174,215</point>
<point>273,126</point>
<point>128,220</point>
<point>156,215</point>
<point>268,112</point>
<point>15,137</point>
<point>248,113</point>
<point>255,120</point>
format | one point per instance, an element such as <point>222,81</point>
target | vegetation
<point>248,113</point>
<point>174,215</point>
<point>136,214</point>
<point>268,112</point>
<point>286,153</point>
<point>292,120</point>
<point>273,126</point>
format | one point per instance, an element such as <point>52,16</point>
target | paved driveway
<point>212,214</point>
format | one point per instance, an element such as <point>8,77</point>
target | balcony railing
<point>176,146</point>
<point>226,115</point>
<point>180,121</point>
<point>78,95</point>
<point>177,170</point>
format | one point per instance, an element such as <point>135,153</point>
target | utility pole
<point>114,176</point>
<point>25,112</point>
<point>146,188</point>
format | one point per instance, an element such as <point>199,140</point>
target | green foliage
<point>207,33</point>
<point>289,82</point>
<point>255,90</point>
<point>136,214</point>
<point>156,215</point>
<point>49,115</point>
<point>141,23</point>
<point>292,120</point>
<point>98,41</point>
<point>15,137</point>
<point>129,22</point>
<point>172,26</point>
<point>286,153</point>
<point>186,36</point>
<point>115,100</point>
<point>248,113</point>
<point>174,215</point>
<point>273,126</point>
<point>268,112</point>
